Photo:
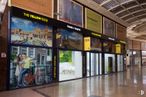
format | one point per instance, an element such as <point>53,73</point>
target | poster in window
<point>27,32</point>
<point>70,12</point>
<point>96,44</point>
<point>69,39</point>
<point>108,27</point>
<point>43,7</point>
<point>30,66</point>
<point>93,21</point>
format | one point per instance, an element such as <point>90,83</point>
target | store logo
<point>74,28</point>
<point>111,39</point>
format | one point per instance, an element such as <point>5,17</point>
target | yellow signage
<point>95,34</point>
<point>87,41</point>
<point>123,42</point>
<point>35,17</point>
<point>118,48</point>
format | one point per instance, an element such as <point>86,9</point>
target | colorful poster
<point>93,21</point>
<point>109,27</point>
<point>96,44</point>
<point>69,39</point>
<point>121,32</point>
<point>26,32</point>
<point>43,7</point>
<point>30,66</point>
<point>70,65</point>
<point>70,12</point>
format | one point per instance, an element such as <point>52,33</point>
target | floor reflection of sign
<point>3,55</point>
<point>141,92</point>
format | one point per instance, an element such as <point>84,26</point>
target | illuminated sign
<point>111,39</point>
<point>123,42</point>
<point>118,48</point>
<point>74,28</point>
<point>95,34</point>
<point>35,17</point>
<point>87,43</point>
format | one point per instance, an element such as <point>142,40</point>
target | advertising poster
<point>30,66</point>
<point>43,7</point>
<point>70,65</point>
<point>70,12</point>
<point>96,44</point>
<point>26,32</point>
<point>93,21</point>
<point>121,32</point>
<point>109,27</point>
<point>69,39</point>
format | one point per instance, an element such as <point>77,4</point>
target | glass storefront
<point>144,58</point>
<point>70,65</point>
<point>93,64</point>
<point>109,63</point>
<point>120,63</point>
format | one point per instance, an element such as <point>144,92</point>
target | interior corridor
<point>122,84</point>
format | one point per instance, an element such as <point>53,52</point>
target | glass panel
<point>94,64</point>
<point>69,65</point>
<point>109,63</point>
<point>27,68</point>
<point>100,63</point>
<point>88,63</point>
<point>120,62</point>
<point>110,4</point>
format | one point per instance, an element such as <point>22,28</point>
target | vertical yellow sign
<point>118,48</point>
<point>87,42</point>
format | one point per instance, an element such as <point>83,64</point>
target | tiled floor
<point>127,84</point>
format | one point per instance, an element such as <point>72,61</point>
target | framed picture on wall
<point>93,21</point>
<point>70,12</point>
<point>109,27</point>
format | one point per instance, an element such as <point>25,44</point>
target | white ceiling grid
<point>128,10</point>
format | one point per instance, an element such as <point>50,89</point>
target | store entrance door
<point>93,61</point>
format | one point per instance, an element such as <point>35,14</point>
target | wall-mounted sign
<point>87,43</point>
<point>121,32</point>
<point>70,12</point>
<point>43,7</point>
<point>108,27</point>
<point>95,34</point>
<point>74,28</point>
<point>93,21</point>
<point>118,48</point>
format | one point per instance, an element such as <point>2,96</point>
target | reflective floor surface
<point>131,83</point>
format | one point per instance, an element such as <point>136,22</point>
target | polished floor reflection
<point>122,84</point>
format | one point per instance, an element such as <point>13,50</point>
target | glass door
<point>93,63</point>
<point>109,63</point>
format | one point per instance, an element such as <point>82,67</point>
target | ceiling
<point>131,11</point>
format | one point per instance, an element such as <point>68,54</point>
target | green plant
<point>65,56</point>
